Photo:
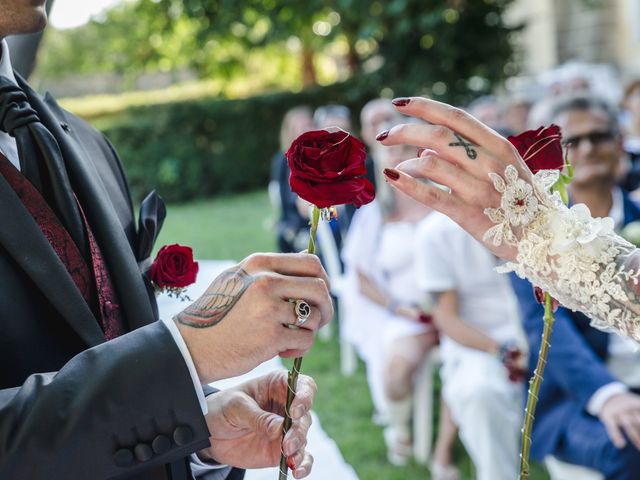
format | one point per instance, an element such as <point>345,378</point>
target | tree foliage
<point>444,48</point>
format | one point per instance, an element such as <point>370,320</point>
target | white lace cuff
<point>578,259</point>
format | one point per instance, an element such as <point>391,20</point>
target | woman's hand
<point>459,153</point>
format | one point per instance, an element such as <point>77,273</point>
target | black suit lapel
<point>24,242</point>
<point>117,251</point>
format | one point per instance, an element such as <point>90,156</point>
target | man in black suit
<point>125,398</point>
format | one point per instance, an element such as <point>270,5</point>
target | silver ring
<point>302,311</point>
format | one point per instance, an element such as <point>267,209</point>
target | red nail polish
<point>291,464</point>
<point>391,174</point>
<point>382,135</point>
<point>401,102</point>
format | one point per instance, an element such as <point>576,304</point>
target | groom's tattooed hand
<point>468,146</point>
<point>217,301</point>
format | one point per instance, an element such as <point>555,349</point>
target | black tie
<point>40,158</point>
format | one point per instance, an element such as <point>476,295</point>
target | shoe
<point>380,419</point>
<point>444,472</point>
<point>399,448</point>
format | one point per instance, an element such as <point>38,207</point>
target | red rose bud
<point>540,149</point>
<point>539,295</point>
<point>174,267</point>
<point>327,168</point>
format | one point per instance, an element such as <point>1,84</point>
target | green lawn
<point>233,227</point>
<point>223,227</point>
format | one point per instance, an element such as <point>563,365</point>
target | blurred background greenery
<point>236,67</point>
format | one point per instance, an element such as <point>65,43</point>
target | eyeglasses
<point>595,139</point>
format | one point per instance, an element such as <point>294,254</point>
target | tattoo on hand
<point>468,146</point>
<point>217,301</point>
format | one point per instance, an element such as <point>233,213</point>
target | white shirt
<point>9,150</point>
<point>448,258</point>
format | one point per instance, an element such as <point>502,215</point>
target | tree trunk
<point>309,78</point>
<point>353,61</point>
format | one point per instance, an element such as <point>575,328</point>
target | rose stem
<point>534,387</point>
<point>292,377</point>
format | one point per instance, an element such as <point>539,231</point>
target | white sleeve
<point>600,397</point>
<point>198,467</point>
<point>360,242</point>
<point>175,333</point>
<point>433,259</point>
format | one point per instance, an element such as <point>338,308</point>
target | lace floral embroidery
<point>576,258</point>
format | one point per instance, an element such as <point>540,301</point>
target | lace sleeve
<point>578,259</point>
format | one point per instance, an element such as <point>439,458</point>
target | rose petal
<point>541,149</point>
<point>328,168</point>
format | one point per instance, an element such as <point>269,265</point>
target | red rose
<point>174,267</point>
<point>541,149</point>
<point>539,295</point>
<point>327,168</point>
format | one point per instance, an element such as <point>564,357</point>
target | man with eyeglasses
<point>588,411</point>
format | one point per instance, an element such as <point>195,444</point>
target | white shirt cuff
<point>603,394</point>
<point>198,467</point>
<point>175,333</point>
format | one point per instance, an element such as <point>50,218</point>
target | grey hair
<point>584,103</point>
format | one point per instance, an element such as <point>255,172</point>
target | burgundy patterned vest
<point>93,280</point>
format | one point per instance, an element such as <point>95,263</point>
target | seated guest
<point>489,111</point>
<point>481,346</point>
<point>384,318</point>
<point>328,117</point>
<point>333,116</point>
<point>631,144</point>
<point>292,227</point>
<point>587,411</point>
<point>374,114</point>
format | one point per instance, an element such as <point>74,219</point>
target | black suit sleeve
<point>113,410</point>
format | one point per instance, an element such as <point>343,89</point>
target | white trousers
<point>488,410</point>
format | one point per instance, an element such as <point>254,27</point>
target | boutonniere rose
<point>327,169</point>
<point>173,270</point>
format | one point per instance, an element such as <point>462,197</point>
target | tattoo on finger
<point>218,300</point>
<point>468,146</point>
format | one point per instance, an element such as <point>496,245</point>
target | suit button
<point>182,435</point>
<point>143,452</point>
<point>123,457</point>
<point>161,444</point>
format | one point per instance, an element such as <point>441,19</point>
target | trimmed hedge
<point>208,147</point>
